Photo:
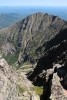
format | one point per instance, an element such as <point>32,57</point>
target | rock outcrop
<point>55,87</point>
<point>56,54</point>
<point>7,82</point>
<point>14,85</point>
<point>51,73</point>
<point>57,90</point>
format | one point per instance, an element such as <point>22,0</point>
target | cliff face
<point>51,73</point>
<point>14,85</point>
<point>7,82</point>
<point>28,38</point>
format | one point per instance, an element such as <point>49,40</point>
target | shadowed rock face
<point>57,54</point>
<point>29,37</point>
<point>51,73</point>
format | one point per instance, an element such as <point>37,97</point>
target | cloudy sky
<point>33,2</point>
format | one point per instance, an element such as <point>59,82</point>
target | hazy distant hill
<point>7,19</point>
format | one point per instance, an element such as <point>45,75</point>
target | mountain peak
<point>28,35</point>
<point>38,14</point>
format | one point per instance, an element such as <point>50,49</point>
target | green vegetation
<point>11,59</point>
<point>21,89</point>
<point>26,63</point>
<point>38,90</point>
<point>26,67</point>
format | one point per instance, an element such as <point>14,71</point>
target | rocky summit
<point>35,48</point>
<point>27,39</point>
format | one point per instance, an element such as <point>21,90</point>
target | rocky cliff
<point>27,40</point>
<point>14,84</point>
<point>51,73</point>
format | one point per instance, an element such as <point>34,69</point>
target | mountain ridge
<point>40,40</point>
<point>29,34</point>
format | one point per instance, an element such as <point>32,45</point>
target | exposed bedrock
<point>51,73</point>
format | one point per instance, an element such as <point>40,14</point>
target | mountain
<point>27,40</point>
<point>39,40</point>
<point>7,19</point>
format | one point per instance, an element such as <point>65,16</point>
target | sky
<point>33,2</point>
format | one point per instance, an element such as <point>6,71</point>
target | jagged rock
<point>56,54</point>
<point>57,91</point>
<point>54,76</point>
<point>8,48</point>
<point>29,96</point>
<point>55,88</point>
<point>7,83</point>
<point>14,85</point>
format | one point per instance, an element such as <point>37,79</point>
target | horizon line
<point>31,6</point>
